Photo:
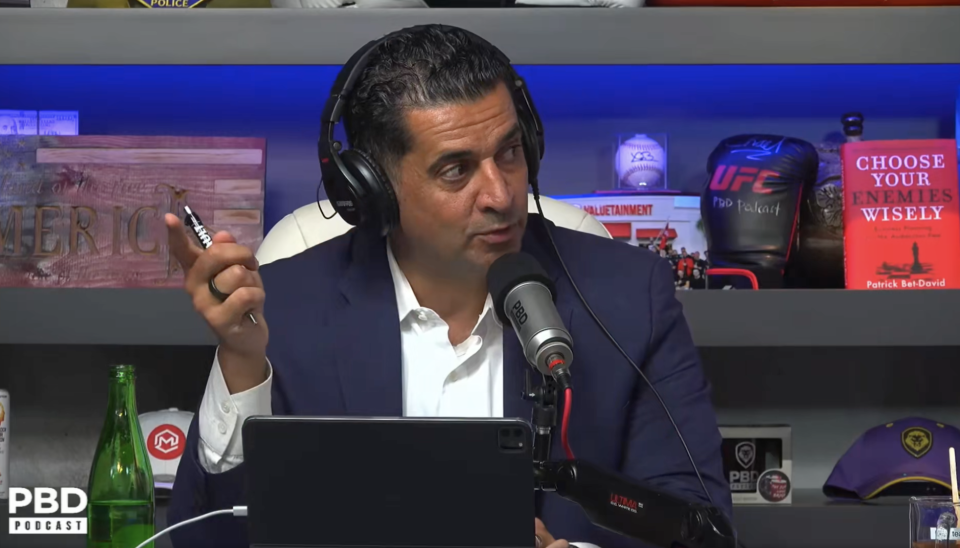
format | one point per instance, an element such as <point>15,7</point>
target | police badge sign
<point>186,4</point>
<point>757,463</point>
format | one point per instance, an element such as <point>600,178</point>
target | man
<point>700,263</point>
<point>403,325</point>
<point>8,126</point>
<point>698,281</point>
<point>686,263</point>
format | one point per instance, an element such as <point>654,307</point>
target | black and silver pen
<point>192,221</point>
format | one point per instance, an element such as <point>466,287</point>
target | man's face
<point>8,126</point>
<point>462,188</point>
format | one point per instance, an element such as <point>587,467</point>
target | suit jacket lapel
<point>535,242</point>
<point>367,332</point>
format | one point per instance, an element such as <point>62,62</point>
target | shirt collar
<point>407,300</point>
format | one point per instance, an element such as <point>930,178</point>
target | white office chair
<point>306,227</point>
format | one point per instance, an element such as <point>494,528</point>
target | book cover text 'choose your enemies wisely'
<point>900,214</point>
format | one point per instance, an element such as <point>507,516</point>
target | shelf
<point>814,520</point>
<point>717,318</point>
<point>100,316</point>
<point>823,317</point>
<point>527,35</point>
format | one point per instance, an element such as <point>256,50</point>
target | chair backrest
<point>306,227</point>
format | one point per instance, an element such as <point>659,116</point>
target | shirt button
<point>225,407</point>
<point>422,316</point>
<point>222,428</point>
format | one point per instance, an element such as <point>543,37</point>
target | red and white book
<point>900,214</point>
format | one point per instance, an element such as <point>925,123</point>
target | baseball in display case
<point>758,463</point>
<point>640,163</point>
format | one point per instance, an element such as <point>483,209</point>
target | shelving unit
<point>812,520</point>
<point>528,36</point>
<point>770,318</point>
<point>830,317</point>
<point>101,316</point>
<point>653,36</point>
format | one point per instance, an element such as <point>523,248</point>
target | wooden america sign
<point>87,211</point>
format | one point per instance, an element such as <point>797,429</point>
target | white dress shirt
<point>439,379</point>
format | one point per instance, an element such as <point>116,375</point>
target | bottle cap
<point>122,371</point>
<point>852,124</point>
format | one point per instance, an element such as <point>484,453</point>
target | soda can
<point>4,444</point>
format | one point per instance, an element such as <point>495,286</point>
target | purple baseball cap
<point>907,457</point>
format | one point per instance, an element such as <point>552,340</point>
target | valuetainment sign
<point>640,218</point>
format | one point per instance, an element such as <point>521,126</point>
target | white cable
<point>237,511</point>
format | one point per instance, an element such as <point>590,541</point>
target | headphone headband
<point>354,183</point>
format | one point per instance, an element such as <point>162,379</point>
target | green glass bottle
<point>120,509</point>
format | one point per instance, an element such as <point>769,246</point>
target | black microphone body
<point>524,297</point>
<point>635,510</point>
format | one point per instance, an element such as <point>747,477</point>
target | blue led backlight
<point>583,108</point>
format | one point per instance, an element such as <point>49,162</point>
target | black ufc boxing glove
<point>751,201</point>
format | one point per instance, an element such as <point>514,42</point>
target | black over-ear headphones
<point>356,186</point>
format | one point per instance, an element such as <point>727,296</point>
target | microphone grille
<point>511,270</point>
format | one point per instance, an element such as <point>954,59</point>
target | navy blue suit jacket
<point>335,351</point>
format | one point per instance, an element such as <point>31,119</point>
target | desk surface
<point>810,522</point>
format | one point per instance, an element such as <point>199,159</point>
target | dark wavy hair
<point>423,68</point>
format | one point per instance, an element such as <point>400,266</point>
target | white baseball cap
<point>165,434</point>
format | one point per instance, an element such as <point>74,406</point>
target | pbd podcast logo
<point>48,511</point>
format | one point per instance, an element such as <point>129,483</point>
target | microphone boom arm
<point>615,502</point>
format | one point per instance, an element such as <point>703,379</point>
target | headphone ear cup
<point>343,194</point>
<point>378,202</point>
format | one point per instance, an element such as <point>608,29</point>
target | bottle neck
<point>123,395</point>
<point>854,138</point>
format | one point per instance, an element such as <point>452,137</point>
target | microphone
<point>637,510</point>
<point>524,296</point>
